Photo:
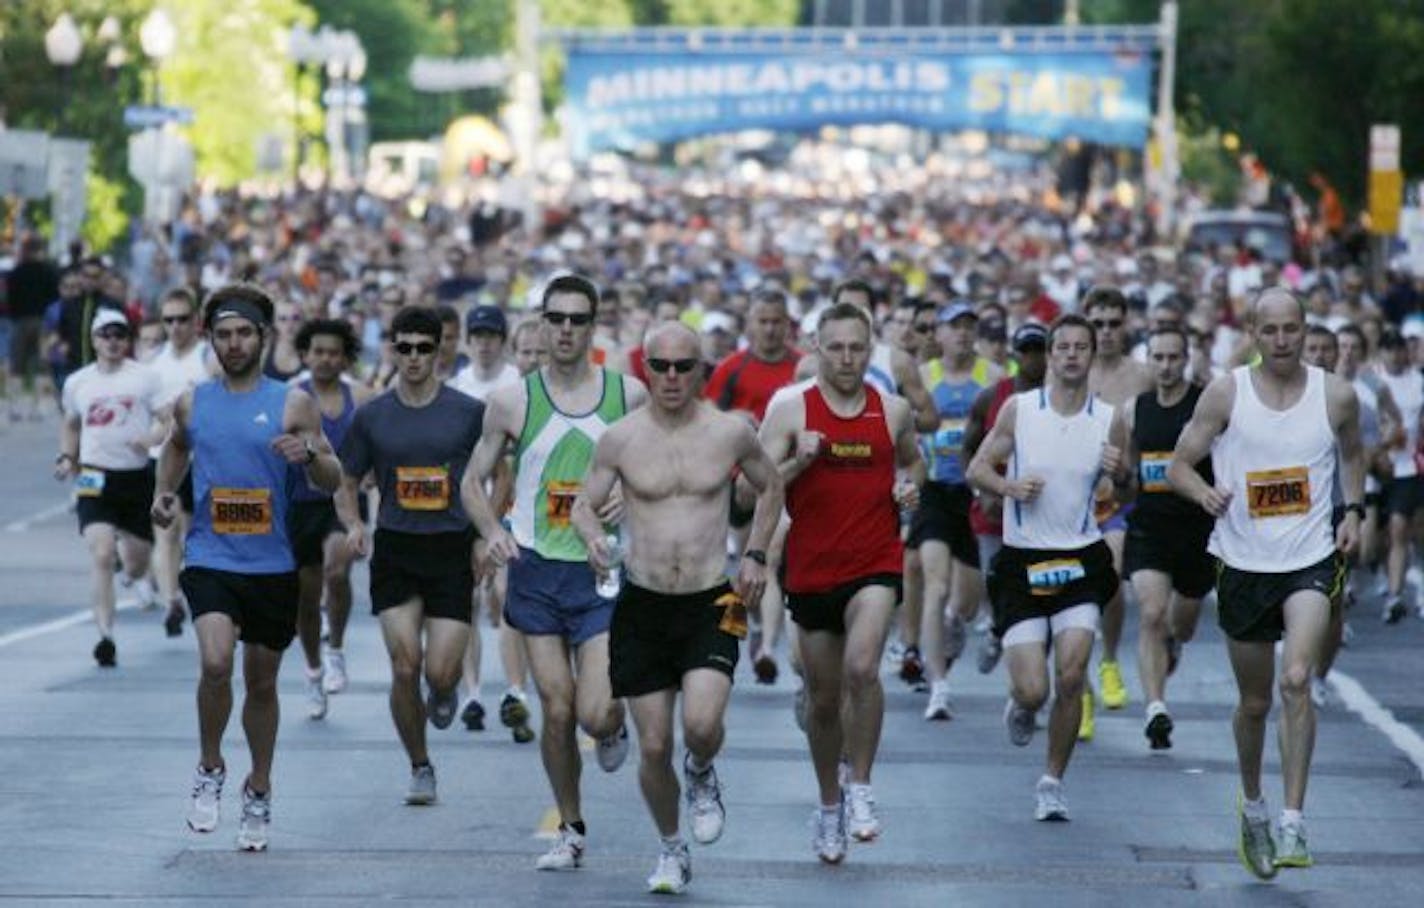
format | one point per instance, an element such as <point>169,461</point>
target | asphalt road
<point>95,768</point>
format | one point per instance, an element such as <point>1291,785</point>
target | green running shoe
<point>1293,851</point>
<point>1255,848</point>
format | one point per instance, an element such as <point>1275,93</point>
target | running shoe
<point>1394,610</point>
<point>862,820</point>
<point>173,621</point>
<point>334,668</point>
<point>829,840</point>
<point>1292,850</point>
<point>514,715</point>
<point>256,816</point>
<point>105,653</point>
<point>1085,724</point>
<point>207,795</point>
<point>473,715</point>
<point>1051,808</point>
<point>441,707</point>
<point>991,648</point>
<point>1110,677</point>
<point>674,871</point>
<point>939,708</point>
<point>316,696</point>
<point>798,707</point>
<point>1174,655</point>
<point>1020,722</point>
<point>613,750</point>
<point>1254,846</point>
<point>705,812</point>
<point>1159,732</point>
<point>1319,693</point>
<point>912,667</point>
<point>422,786</point>
<point>955,635</point>
<point>565,854</point>
<point>765,669</point>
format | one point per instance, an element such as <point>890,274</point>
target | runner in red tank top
<point>837,445</point>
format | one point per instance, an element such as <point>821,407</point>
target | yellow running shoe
<point>1110,677</point>
<point>1085,726</point>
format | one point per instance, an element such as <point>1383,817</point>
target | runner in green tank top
<point>553,420</point>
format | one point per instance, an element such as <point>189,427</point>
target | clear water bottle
<point>609,586</point>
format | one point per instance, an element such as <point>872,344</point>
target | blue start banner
<point>617,100</point>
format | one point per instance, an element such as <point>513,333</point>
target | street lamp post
<point>157,36</point>
<point>343,58</point>
<point>63,44</point>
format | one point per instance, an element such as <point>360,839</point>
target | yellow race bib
<point>423,488</point>
<point>1278,493</point>
<point>241,512</point>
<point>560,496</point>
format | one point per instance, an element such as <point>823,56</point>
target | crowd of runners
<point>673,415</point>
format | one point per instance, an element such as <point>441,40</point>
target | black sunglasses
<point>114,334</point>
<point>1101,323</point>
<point>175,319</point>
<point>577,319</point>
<point>680,366</point>
<point>424,348</point>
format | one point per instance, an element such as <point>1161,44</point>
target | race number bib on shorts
<point>561,496</point>
<point>734,615</point>
<point>423,488</point>
<point>949,438</point>
<point>1278,493</point>
<point>1048,578</point>
<point>1152,471</point>
<point>242,512</point>
<point>89,483</point>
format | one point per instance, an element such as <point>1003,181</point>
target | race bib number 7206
<point>1278,493</point>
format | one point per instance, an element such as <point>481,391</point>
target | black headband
<point>238,308</point>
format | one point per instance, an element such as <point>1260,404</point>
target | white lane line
<point>24,523</point>
<point>58,624</point>
<point>1362,703</point>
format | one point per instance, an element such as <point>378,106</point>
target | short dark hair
<point>1073,320</point>
<point>447,315</point>
<point>1354,331</point>
<point>854,285</point>
<point>417,320</point>
<point>1321,331</point>
<point>331,327</point>
<point>771,296</point>
<point>1170,331</point>
<point>572,283</point>
<point>182,295</point>
<point>249,294</point>
<point>1104,296</point>
<point>840,312</point>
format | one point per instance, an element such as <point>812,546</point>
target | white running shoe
<point>334,669</point>
<point>613,750</point>
<point>207,795</point>
<point>256,816</point>
<point>829,838</point>
<point>1051,805</point>
<point>862,821</point>
<point>422,786</point>
<point>939,708</point>
<point>316,696</point>
<point>566,853</point>
<point>705,812</point>
<point>1020,721</point>
<point>674,871</point>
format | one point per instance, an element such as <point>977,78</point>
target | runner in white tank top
<point>1404,493</point>
<point>1054,573</point>
<point>1273,432</point>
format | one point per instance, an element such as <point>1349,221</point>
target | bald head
<point>672,340</point>
<point>1276,302</point>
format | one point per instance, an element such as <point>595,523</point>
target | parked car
<point>1268,232</point>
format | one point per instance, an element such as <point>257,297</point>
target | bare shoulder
<point>1340,397</point>
<point>1218,398</point>
<point>635,393</point>
<point>897,410</point>
<point>505,408</point>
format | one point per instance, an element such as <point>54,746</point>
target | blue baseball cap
<point>957,309</point>
<point>486,318</point>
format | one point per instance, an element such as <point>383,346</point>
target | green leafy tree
<point>750,13</point>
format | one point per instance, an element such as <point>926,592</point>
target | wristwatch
<point>756,555</point>
<point>311,453</point>
<point>1355,506</point>
<point>65,455</point>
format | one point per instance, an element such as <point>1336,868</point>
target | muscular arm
<point>761,473</point>
<point>907,451</point>
<point>983,472</point>
<point>912,386</point>
<point>1391,420</point>
<point>1131,456</point>
<point>778,437</point>
<point>302,420</point>
<point>597,487</point>
<point>1344,409</point>
<point>487,453</point>
<point>1208,421</point>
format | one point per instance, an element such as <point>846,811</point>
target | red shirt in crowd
<point>743,382</point>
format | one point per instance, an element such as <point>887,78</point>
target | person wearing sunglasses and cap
<point>243,435</point>
<point>552,420</point>
<point>111,417</point>
<point>417,440</point>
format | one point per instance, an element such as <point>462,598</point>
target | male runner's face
<point>111,344</point>
<point>1352,355</point>
<point>487,347</point>
<point>568,342</point>
<point>767,330</point>
<point>417,362</point>
<point>530,351</point>
<point>1071,355</point>
<point>922,334</point>
<point>1033,364</point>
<point>238,344</point>
<point>674,371</point>
<point>1167,356</point>
<point>1111,324</point>
<point>843,352</point>
<point>326,358</point>
<point>1320,351</point>
<point>449,343</point>
<point>1280,333</point>
<point>957,338</point>
<point>180,321</point>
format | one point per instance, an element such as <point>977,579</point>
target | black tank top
<point>1154,433</point>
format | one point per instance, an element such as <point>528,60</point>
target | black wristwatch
<point>756,555</point>
<point>311,453</point>
<point>1355,506</point>
<point>62,456</point>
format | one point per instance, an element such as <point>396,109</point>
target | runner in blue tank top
<point>242,434</point>
<point>328,348</point>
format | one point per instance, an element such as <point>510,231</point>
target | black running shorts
<point>263,606</point>
<point>657,638</point>
<point>1251,606</point>
<point>125,502</point>
<point>1181,557</point>
<point>434,566</point>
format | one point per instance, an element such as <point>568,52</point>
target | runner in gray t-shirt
<point>417,439</point>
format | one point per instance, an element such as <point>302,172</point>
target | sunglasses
<point>424,348</point>
<point>113,334</point>
<point>577,319</point>
<point>1101,323</point>
<point>680,366</point>
<point>175,319</point>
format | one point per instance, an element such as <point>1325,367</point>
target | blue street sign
<point>150,116</point>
